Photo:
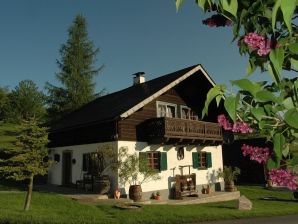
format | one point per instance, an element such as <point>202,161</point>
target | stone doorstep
<point>202,198</point>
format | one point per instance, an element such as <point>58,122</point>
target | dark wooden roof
<point>111,106</point>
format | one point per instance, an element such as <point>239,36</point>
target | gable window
<point>166,109</point>
<point>188,113</point>
<point>156,160</point>
<point>202,160</point>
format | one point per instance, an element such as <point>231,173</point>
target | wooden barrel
<point>135,192</point>
<point>230,186</point>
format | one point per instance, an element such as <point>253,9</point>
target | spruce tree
<point>76,74</point>
<point>28,158</point>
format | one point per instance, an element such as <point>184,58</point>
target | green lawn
<point>53,208</point>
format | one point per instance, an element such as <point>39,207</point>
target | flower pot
<point>135,192</point>
<point>230,186</point>
<point>157,197</point>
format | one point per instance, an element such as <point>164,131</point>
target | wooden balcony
<point>176,130</point>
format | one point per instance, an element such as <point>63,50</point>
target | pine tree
<point>77,72</point>
<point>28,158</point>
<point>25,101</point>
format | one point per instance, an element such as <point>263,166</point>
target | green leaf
<point>274,12</point>
<point>218,99</point>
<point>230,6</point>
<point>291,117</point>
<point>293,48</point>
<point>258,112</point>
<point>265,96</point>
<point>230,104</point>
<point>294,63</point>
<point>288,103</point>
<point>278,144</point>
<point>217,90</point>
<point>277,58</point>
<point>251,67</point>
<point>288,8</point>
<point>274,75</point>
<point>285,150</point>
<point>272,164</point>
<point>178,4</point>
<point>247,85</point>
<point>201,3</point>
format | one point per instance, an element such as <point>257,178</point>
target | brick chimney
<point>138,78</point>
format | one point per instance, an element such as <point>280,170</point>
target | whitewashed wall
<point>77,151</point>
<point>167,177</point>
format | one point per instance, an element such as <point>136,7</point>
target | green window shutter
<point>143,157</point>
<point>195,160</point>
<point>208,160</point>
<point>163,161</point>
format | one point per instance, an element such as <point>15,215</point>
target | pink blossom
<point>241,127</point>
<point>224,123</point>
<point>282,177</point>
<point>217,20</point>
<point>261,155</point>
<point>237,127</point>
<point>259,43</point>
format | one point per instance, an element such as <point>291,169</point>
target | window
<point>156,160</point>
<point>188,113</point>
<point>166,109</point>
<point>87,163</point>
<point>153,160</point>
<point>202,160</point>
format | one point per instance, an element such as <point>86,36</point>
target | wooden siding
<point>130,129</point>
<point>102,132</point>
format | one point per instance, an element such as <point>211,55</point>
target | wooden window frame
<point>202,160</point>
<point>165,104</point>
<point>153,160</point>
<point>195,118</point>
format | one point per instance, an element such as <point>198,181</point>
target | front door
<point>66,168</point>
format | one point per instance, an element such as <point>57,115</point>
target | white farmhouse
<point>160,118</point>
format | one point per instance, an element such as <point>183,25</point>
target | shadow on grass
<point>12,185</point>
<point>278,199</point>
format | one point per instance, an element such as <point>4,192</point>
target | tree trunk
<point>29,194</point>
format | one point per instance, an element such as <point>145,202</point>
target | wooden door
<point>66,168</point>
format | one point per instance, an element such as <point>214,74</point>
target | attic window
<point>166,109</point>
<point>188,113</point>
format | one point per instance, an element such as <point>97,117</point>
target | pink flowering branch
<point>259,154</point>
<point>237,127</point>
<point>217,20</point>
<point>282,177</point>
<point>260,43</point>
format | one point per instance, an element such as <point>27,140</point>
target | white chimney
<point>138,78</point>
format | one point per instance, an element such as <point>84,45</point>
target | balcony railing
<point>182,129</point>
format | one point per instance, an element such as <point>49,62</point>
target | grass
<point>53,208</point>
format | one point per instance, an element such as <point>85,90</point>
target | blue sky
<point>133,35</point>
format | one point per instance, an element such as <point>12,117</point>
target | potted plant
<point>135,171</point>
<point>229,175</point>
<point>153,196</point>
<point>157,197</point>
<point>102,160</point>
